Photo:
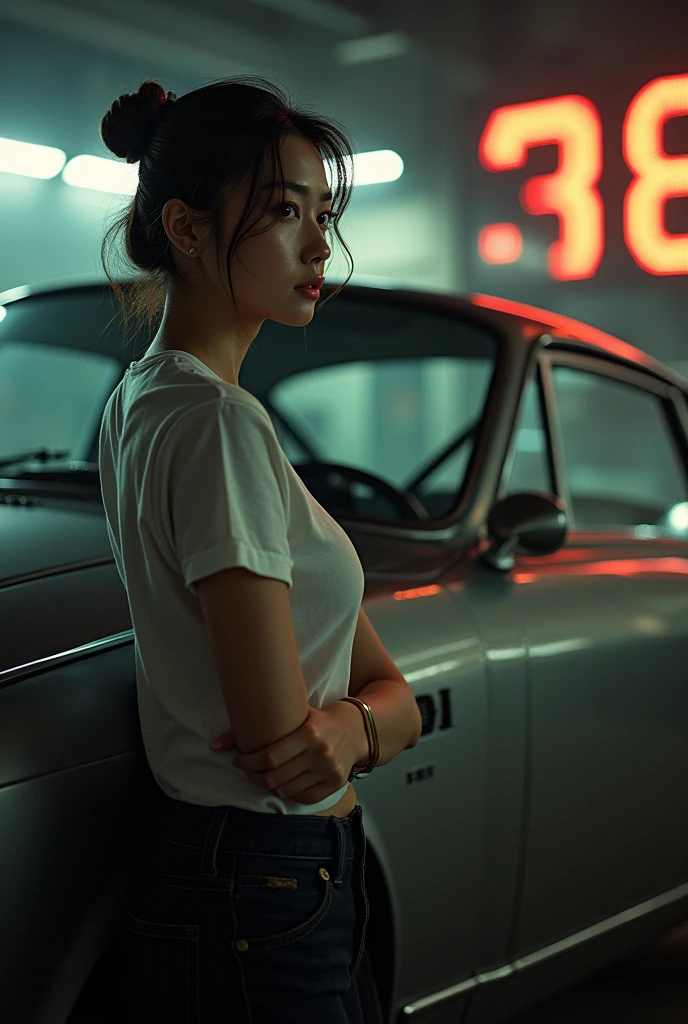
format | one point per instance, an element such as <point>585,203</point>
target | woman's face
<point>265,268</point>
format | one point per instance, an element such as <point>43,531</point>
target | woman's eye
<point>325,213</point>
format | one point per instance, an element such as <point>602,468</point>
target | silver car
<point>516,486</point>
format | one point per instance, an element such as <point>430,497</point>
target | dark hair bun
<point>127,126</point>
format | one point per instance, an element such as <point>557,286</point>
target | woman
<point>251,906</point>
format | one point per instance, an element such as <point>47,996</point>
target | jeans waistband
<point>228,829</point>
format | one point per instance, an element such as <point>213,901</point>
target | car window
<point>622,465</point>
<point>60,358</point>
<point>52,396</point>
<point>390,418</point>
<point>393,418</point>
<point>528,468</point>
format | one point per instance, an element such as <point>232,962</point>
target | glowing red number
<point>657,176</point>
<point>573,124</point>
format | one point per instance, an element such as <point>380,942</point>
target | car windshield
<point>396,393</point>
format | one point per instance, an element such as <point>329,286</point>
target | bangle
<point>373,741</point>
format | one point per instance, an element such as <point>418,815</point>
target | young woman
<point>245,595</point>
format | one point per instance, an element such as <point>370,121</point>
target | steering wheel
<point>407,504</point>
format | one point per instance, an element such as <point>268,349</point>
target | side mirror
<point>533,523</point>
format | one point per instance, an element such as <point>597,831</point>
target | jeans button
<point>324,873</point>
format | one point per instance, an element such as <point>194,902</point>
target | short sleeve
<point>227,492</point>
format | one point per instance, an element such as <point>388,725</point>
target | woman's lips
<point>310,293</point>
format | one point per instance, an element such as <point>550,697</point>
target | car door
<point>604,624</point>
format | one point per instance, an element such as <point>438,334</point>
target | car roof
<point>565,332</point>
<point>574,335</point>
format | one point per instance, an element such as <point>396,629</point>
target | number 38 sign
<point>573,124</point>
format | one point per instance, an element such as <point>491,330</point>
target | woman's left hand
<point>310,763</point>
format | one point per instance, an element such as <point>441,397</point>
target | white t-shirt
<point>194,480</point>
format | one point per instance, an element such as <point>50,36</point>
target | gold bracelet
<point>371,732</point>
<point>373,741</point>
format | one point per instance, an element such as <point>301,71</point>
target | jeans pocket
<point>278,901</point>
<point>163,976</point>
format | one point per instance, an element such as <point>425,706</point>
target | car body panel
<point>439,785</point>
<point>484,596</point>
<point>607,824</point>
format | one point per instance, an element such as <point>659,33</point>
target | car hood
<point>40,535</point>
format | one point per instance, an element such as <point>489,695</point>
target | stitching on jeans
<point>190,931</point>
<point>177,882</point>
<point>171,882</point>
<point>268,882</point>
<point>191,950</point>
<point>254,853</point>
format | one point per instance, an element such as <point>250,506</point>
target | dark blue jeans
<point>243,917</point>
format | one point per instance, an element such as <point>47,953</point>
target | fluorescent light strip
<point>30,160</point>
<point>102,174</point>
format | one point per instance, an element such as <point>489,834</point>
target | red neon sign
<point>573,124</point>
<point>657,176</point>
<point>500,243</point>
